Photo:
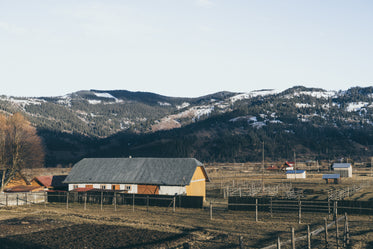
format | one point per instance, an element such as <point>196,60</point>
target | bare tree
<point>21,147</point>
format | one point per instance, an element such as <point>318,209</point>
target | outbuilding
<point>331,178</point>
<point>343,169</point>
<point>163,176</point>
<point>295,174</point>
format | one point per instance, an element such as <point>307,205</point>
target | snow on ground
<point>252,94</point>
<point>301,105</point>
<point>164,104</point>
<point>183,105</point>
<point>356,106</point>
<point>94,102</point>
<point>104,95</point>
<point>258,124</point>
<point>24,102</point>
<point>317,94</point>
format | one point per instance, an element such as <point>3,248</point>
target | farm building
<point>332,178</point>
<point>343,169</point>
<point>50,182</point>
<point>164,176</point>
<point>295,174</point>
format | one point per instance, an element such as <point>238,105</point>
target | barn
<point>295,174</point>
<point>343,169</point>
<point>163,176</point>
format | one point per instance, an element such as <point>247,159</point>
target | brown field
<point>53,226</point>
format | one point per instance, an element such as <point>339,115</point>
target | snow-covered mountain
<point>222,126</point>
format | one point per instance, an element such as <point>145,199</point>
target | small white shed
<point>343,169</point>
<point>295,174</point>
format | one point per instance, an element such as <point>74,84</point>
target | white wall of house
<point>298,176</point>
<point>344,172</point>
<point>172,190</point>
<point>131,188</point>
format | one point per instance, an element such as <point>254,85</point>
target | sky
<point>183,48</point>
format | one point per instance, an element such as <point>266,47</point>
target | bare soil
<point>55,227</point>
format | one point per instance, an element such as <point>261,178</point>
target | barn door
<point>148,189</point>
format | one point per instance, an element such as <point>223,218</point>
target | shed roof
<point>295,171</point>
<point>331,176</point>
<point>51,181</point>
<point>158,171</point>
<point>341,165</point>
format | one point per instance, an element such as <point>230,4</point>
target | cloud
<point>204,3</point>
<point>11,28</point>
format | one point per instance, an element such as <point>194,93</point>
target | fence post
<point>133,203</point>
<point>328,206</point>
<point>85,201</point>
<point>346,232</point>
<point>102,195</point>
<point>326,233</point>
<point>300,211</point>
<point>210,210</point>
<point>292,238</point>
<point>25,201</point>
<point>308,237</point>
<point>278,243</point>
<point>256,209</point>
<point>115,201</point>
<point>147,203</point>
<point>336,232</point>
<point>17,200</point>
<point>174,204</point>
<point>240,240</point>
<point>45,199</point>
<point>271,207</point>
<point>67,200</point>
<point>336,210</point>
<point>6,199</point>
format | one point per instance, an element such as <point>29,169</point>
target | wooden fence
<point>109,197</point>
<point>274,205</point>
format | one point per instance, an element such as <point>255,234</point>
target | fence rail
<point>310,206</point>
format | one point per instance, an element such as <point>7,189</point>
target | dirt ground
<point>55,227</point>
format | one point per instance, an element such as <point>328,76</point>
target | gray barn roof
<point>158,171</point>
<point>341,165</point>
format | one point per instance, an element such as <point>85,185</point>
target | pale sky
<point>183,47</point>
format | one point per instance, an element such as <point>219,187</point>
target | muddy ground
<point>55,227</point>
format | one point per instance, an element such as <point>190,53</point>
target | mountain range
<point>221,127</point>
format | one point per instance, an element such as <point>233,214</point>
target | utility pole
<point>295,167</point>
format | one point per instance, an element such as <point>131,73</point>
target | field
<point>55,226</point>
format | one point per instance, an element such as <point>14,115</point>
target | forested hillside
<point>223,127</point>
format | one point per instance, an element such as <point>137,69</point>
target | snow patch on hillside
<point>302,105</point>
<point>356,106</point>
<point>94,102</point>
<point>104,95</point>
<point>163,103</point>
<point>183,105</point>
<point>317,94</point>
<point>253,94</point>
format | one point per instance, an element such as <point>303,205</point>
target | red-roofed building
<point>50,182</point>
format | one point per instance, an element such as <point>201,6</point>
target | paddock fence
<point>110,197</point>
<point>275,205</point>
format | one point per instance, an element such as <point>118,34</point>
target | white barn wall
<point>298,176</point>
<point>172,190</point>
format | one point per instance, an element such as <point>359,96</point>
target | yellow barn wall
<point>197,186</point>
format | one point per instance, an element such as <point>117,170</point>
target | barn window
<point>128,187</point>
<point>103,186</point>
<point>75,186</point>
